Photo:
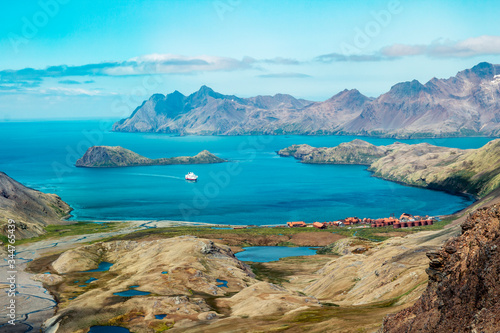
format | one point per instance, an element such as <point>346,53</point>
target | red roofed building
<point>319,225</point>
<point>296,224</point>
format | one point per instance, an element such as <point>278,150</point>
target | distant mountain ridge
<point>464,105</point>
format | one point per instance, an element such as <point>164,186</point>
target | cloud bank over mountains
<point>30,80</point>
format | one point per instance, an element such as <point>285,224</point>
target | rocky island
<point>110,157</point>
<point>470,171</point>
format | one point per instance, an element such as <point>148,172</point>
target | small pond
<point>272,253</point>
<point>108,329</point>
<point>103,267</point>
<point>132,292</point>
<point>223,283</point>
<point>160,316</point>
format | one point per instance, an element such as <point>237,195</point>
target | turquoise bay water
<point>272,253</point>
<point>255,187</point>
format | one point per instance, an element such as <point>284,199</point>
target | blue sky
<point>82,59</point>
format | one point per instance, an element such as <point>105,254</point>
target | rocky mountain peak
<point>201,96</point>
<point>205,90</point>
<point>157,97</point>
<point>407,89</point>
<point>176,94</point>
<point>351,95</point>
<point>484,70</point>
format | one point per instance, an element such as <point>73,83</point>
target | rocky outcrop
<point>80,259</point>
<point>463,290</point>
<point>464,105</point>
<point>31,209</point>
<point>471,171</point>
<point>109,157</point>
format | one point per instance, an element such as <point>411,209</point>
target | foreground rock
<point>463,289</point>
<point>187,280</point>
<point>107,157</point>
<point>31,209</point>
<point>471,171</point>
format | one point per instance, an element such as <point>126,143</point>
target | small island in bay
<point>112,157</point>
<point>468,171</point>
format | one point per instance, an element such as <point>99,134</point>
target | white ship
<point>191,176</point>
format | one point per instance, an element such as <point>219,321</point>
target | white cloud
<point>442,48</point>
<point>177,64</point>
<point>73,92</point>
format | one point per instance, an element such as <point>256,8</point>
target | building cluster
<point>404,221</point>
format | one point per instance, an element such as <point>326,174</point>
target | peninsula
<point>111,157</point>
<point>469,171</point>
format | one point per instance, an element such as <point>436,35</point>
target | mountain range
<point>467,104</point>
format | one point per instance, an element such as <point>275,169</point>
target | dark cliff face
<point>463,294</point>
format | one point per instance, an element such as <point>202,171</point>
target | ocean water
<point>255,187</point>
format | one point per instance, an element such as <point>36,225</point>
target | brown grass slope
<point>31,209</point>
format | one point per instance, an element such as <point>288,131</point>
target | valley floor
<point>357,282</point>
